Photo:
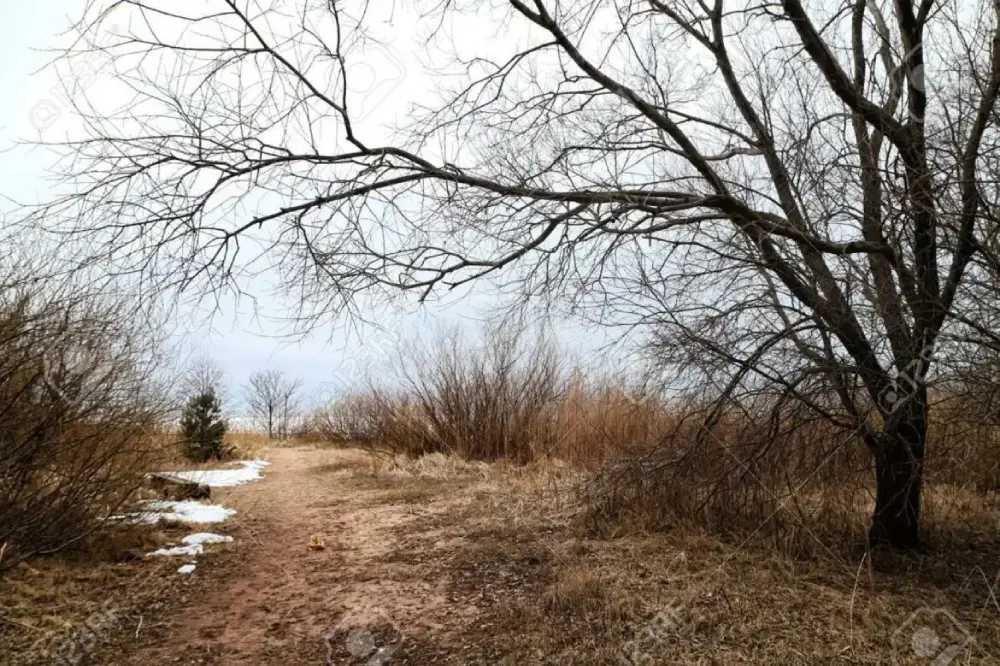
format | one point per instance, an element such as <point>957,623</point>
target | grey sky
<point>239,341</point>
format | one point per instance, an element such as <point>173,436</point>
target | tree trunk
<point>899,464</point>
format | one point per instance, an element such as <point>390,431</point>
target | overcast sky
<point>238,338</point>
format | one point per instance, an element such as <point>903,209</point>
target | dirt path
<point>279,601</point>
<point>436,561</point>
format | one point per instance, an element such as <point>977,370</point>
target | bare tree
<point>273,401</point>
<point>203,375</point>
<point>799,195</point>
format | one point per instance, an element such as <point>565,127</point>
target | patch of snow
<point>224,478</point>
<point>178,551</point>
<point>206,537</point>
<point>186,569</point>
<point>194,544</point>
<point>187,511</point>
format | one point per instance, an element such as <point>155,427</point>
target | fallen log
<point>175,488</point>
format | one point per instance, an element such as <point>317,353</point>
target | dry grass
<point>61,606</point>
<point>88,600</point>
<point>796,485</point>
<point>247,444</point>
<point>238,445</point>
<point>52,606</point>
<point>550,591</point>
<point>509,542</point>
<point>505,399</point>
<point>595,526</point>
<point>765,470</point>
<point>597,420</point>
<point>580,589</point>
<point>780,477</point>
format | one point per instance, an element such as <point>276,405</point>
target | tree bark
<point>899,464</point>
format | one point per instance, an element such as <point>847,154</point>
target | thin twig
<point>18,623</point>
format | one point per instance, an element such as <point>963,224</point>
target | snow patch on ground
<point>186,569</point>
<point>194,544</point>
<point>206,537</point>
<point>224,478</point>
<point>179,551</point>
<point>187,511</point>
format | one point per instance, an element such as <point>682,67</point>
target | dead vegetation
<point>635,530</point>
<point>512,541</point>
<point>506,398</point>
<point>65,608</point>
<point>80,415</point>
<point>756,469</point>
<point>617,528</point>
<point>527,580</point>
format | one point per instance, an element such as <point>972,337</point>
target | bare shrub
<point>80,415</point>
<point>404,427</point>
<point>795,482</point>
<point>202,375</point>
<point>505,397</point>
<point>354,418</point>
<point>777,474</point>
<point>496,400</point>
<point>965,414</point>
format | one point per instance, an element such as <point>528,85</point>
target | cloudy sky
<point>240,337</point>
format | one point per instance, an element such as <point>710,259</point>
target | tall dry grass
<point>798,485</point>
<point>796,482</point>
<point>596,419</point>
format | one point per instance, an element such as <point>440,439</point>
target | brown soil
<point>287,601</point>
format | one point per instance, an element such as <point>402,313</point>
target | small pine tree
<point>203,427</point>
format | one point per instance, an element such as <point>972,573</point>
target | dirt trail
<point>440,562</point>
<point>279,602</point>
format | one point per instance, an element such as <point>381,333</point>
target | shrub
<point>781,475</point>
<point>351,419</point>
<point>491,402</point>
<point>203,428</point>
<point>80,414</point>
<point>507,398</point>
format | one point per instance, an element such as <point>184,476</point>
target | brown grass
<point>609,526</point>
<point>54,606</point>
<point>247,444</point>
<point>60,606</point>
<point>796,484</point>
<point>805,489</point>
<point>547,590</point>
<point>506,399</point>
<point>238,445</point>
<point>598,420</point>
<point>550,591</point>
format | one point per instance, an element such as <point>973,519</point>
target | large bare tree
<point>801,192</point>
